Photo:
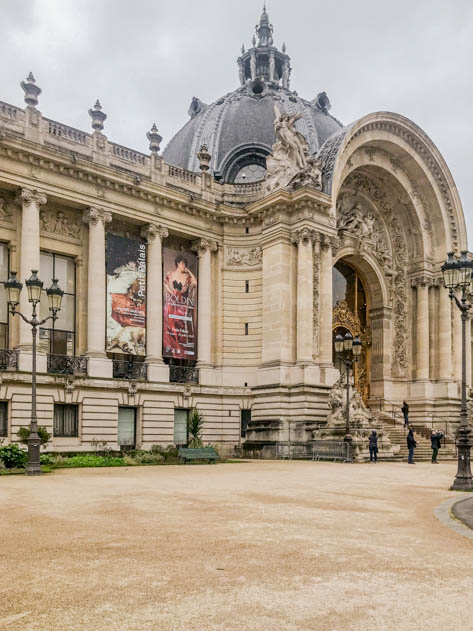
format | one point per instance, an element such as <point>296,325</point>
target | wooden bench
<point>201,453</point>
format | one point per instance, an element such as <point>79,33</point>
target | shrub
<point>13,457</point>
<point>143,457</point>
<point>171,452</point>
<point>92,460</point>
<point>24,433</point>
<point>195,424</point>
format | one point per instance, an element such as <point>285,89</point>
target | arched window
<point>248,165</point>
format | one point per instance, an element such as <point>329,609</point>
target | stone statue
<point>4,214</point>
<point>357,222</point>
<point>290,165</point>
<point>289,137</point>
<point>253,65</point>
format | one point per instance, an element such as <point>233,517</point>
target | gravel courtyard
<point>258,545</point>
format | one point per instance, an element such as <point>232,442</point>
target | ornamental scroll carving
<point>59,223</point>
<point>316,296</point>
<point>244,256</point>
<point>384,238</point>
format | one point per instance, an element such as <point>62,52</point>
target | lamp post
<point>457,275</point>
<point>348,351</point>
<point>34,287</point>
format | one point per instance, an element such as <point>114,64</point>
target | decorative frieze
<point>243,256</point>
<point>58,223</point>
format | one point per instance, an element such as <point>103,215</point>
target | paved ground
<point>248,546</point>
<point>464,511</point>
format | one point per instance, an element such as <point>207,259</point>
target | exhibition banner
<point>126,295</point>
<point>179,304</point>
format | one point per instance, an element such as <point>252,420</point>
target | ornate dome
<point>238,128</point>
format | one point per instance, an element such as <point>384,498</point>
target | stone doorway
<point>351,313</point>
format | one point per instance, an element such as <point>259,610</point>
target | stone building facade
<point>354,241</point>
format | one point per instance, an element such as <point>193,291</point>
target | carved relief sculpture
<point>60,224</point>
<point>244,256</point>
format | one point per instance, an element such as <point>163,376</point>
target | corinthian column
<point>422,328</point>
<point>326,306</point>
<point>31,201</point>
<point>445,334</point>
<point>157,369</point>
<point>204,249</point>
<point>305,308</point>
<point>98,364</point>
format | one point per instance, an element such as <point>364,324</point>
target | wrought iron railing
<point>130,370</point>
<point>8,359</point>
<point>67,365</point>
<point>183,374</point>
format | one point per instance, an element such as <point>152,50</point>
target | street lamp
<point>457,274</point>
<point>34,287</point>
<point>348,351</point>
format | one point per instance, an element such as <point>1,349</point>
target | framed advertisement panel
<point>126,295</point>
<point>179,304</point>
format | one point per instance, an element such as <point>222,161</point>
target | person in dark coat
<point>436,444</point>
<point>373,446</point>
<point>405,412</point>
<point>411,445</point>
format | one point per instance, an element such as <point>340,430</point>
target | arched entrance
<point>351,313</point>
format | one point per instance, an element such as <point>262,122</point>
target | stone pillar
<point>457,342</point>
<point>204,249</point>
<point>326,306</point>
<point>422,328</point>
<point>445,334</point>
<point>98,363</point>
<point>31,201</point>
<point>157,369</point>
<point>305,308</point>
<point>468,351</point>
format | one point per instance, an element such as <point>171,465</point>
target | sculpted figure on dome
<point>290,164</point>
<point>291,139</point>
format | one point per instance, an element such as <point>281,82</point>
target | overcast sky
<point>145,59</point>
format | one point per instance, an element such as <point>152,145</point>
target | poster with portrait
<point>126,295</point>
<point>179,304</point>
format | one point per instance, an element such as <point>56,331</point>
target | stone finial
<point>284,47</point>
<point>154,139</point>
<point>253,41</point>
<point>204,158</point>
<point>243,49</point>
<point>98,117</point>
<point>31,90</point>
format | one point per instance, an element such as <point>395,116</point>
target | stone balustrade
<point>58,130</point>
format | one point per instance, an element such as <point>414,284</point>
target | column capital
<point>200,246</point>
<point>32,196</point>
<point>93,215</point>
<point>422,281</point>
<point>327,241</point>
<point>304,236</point>
<point>151,230</point>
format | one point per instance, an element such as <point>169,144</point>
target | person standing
<point>436,444</point>
<point>411,445</point>
<point>373,438</point>
<point>405,412</point>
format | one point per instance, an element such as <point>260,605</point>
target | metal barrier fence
<point>331,450</point>
<point>315,450</point>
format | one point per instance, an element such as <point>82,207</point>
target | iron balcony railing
<point>8,359</point>
<point>183,374</point>
<point>138,371</point>
<point>67,365</point>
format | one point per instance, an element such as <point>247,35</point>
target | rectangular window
<point>127,427</point>
<point>247,286</point>
<point>4,273</point>
<point>180,426</point>
<point>58,338</point>
<point>3,418</point>
<point>66,423</point>
<point>246,328</point>
<point>245,418</point>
